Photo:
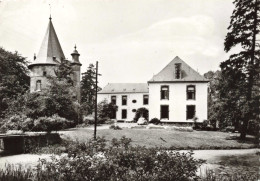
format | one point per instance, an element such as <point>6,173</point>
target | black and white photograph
<point>129,90</point>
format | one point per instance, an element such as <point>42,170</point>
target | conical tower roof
<point>50,52</point>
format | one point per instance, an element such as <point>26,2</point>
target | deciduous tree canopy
<point>14,79</point>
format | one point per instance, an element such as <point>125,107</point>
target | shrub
<point>231,175</point>
<point>119,161</point>
<point>53,123</point>
<point>94,160</point>
<point>106,110</point>
<point>17,122</point>
<point>89,120</point>
<point>141,112</point>
<point>230,129</point>
<point>115,127</point>
<point>155,121</point>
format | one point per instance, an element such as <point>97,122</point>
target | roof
<point>50,48</point>
<point>125,88</point>
<point>168,73</point>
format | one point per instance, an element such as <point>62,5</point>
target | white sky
<point>131,39</point>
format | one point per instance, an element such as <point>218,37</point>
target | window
<point>113,114</point>
<point>164,112</point>
<point>146,99</point>
<point>134,101</point>
<point>113,99</point>
<point>165,92</point>
<point>133,110</point>
<point>191,92</point>
<point>124,113</point>
<point>44,73</point>
<point>124,100</point>
<point>177,70</point>
<point>38,85</point>
<point>190,111</point>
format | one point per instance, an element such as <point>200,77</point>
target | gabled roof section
<point>168,73</point>
<point>125,88</point>
<point>50,51</point>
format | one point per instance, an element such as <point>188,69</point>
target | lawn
<point>165,138</point>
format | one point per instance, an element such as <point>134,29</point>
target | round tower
<point>47,60</point>
<point>76,65</point>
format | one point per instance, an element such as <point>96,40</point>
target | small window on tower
<point>44,73</point>
<point>38,85</point>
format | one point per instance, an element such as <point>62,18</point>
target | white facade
<point>178,101</point>
<point>177,94</point>
<point>134,101</point>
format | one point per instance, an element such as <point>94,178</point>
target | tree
<point>64,71</point>
<point>14,79</point>
<point>225,100</point>
<point>106,110</point>
<point>141,112</point>
<point>59,98</point>
<point>243,28</point>
<point>88,84</point>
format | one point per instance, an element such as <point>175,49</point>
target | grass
<point>171,139</point>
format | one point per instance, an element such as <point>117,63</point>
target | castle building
<point>48,59</point>
<point>177,94</point>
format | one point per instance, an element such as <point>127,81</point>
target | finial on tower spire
<point>75,47</point>
<point>50,12</point>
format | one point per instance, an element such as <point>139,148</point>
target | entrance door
<point>164,112</point>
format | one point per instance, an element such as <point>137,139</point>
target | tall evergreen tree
<point>243,30</point>
<point>88,85</point>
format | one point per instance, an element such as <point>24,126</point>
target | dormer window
<point>178,71</point>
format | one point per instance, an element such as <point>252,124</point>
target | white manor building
<point>176,94</point>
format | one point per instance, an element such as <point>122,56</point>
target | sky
<point>131,39</point>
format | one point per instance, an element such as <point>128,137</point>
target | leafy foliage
<point>155,121</point>
<point>93,160</point>
<point>64,72</point>
<point>14,80</point>
<point>115,127</point>
<point>141,112</point>
<point>226,101</point>
<point>24,123</point>
<point>106,110</point>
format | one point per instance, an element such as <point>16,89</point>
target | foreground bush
<point>48,124</point>
<point>235,175</point>
<point>96,161</point>
<point>155,121</point>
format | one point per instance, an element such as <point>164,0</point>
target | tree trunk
<point>244,129</point>
<point>257,134</point>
